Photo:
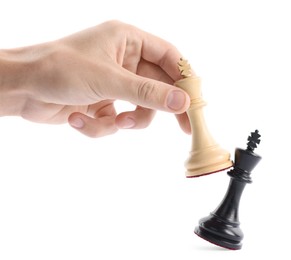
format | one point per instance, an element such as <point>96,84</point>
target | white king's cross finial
<point>184,68</point>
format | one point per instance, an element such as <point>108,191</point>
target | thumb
<point>153,94</point>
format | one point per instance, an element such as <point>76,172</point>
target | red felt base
<point>208,173</point>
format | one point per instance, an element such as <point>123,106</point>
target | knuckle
<point>147,91</point>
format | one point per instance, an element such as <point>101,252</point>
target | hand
<point>78,78</point>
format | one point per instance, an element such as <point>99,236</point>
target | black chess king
<point>222,226</point>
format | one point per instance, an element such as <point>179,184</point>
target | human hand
<point>78,78</point>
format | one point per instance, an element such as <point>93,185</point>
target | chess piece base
<point>207,170</point>
<point>215,231</point>
<point>207,161</point>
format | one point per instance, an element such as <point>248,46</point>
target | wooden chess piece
<point>222,226</point>
<point>206,156</point>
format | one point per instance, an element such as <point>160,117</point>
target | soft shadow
<point>211,247</point>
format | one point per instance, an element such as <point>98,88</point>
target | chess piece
<point>206,156</point>
<point>222,226</point>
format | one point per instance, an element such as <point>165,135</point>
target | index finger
<point>161,53</point>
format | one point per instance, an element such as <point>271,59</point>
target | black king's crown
<point>221,227</point>
<point>253,140</point>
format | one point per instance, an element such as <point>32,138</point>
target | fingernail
<point>127,122</point>
<point>176,100</point>
<point>77,123</point>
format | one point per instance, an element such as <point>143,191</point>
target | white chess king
<point>206,156</point>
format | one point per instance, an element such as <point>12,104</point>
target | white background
<point>66,196</point>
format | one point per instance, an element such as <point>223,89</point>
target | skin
<point>76,79</point>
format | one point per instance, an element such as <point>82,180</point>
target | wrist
<point>15,74</point>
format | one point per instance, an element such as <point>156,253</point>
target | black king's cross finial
<point>253,140</point>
